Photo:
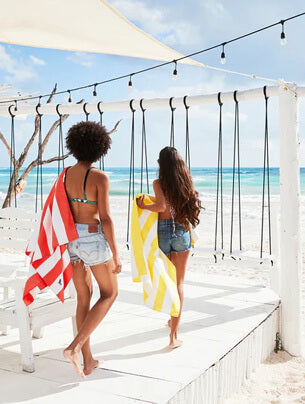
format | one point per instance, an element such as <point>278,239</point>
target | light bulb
<point>223,58</point>
<point>283,39</point>
<point>130,85</point>
<point>94,94</point>
<point>175,74</point>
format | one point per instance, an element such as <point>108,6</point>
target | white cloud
<point>159,22</point>
<point>17,69</point>
<point>82,58</point>
<point>37,61</point>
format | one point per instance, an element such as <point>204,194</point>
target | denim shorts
<point>172,237</point>
<point>91,248</point>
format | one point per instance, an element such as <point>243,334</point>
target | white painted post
<point>290,227</point>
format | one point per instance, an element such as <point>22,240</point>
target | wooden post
<point>290,227</point>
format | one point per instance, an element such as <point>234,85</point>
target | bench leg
<point>38,332</point>
<point>27,357</point>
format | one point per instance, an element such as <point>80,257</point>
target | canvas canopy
<point>78,25</point>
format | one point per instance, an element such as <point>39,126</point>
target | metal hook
<point>57,110</point>
<point>184,102</point>
<point>141,105</point>
<point>9,110</point>
<point>131,106</point>
<point>37,108</point>
<point>85,111</point>
<point>99,107</point>
<point>220,103</point>
<point>171,104</point>
<point>235,98</point>
<point>265,92</point>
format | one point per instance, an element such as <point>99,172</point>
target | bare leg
<point>107,282</point>
<point>180,261</point>
<point>83,285</point>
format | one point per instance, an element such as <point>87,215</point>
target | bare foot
<point>175,343</point>
<point>73,357</point>
<point>88,367</point>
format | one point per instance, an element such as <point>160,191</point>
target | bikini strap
<point>85,182</point>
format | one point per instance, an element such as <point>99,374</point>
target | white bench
<point>16,226</point>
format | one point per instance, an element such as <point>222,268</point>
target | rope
<point>131,170</point>
<point>219,183</point>
<point>60,141</point>
<point>187,135</point>
<point>172,136</point>
<point>12,158</point>
<point>102,161</point>
<point>236,150</point>
<point>144,149</point>
<point>39,165</point>
<point>266,171</point>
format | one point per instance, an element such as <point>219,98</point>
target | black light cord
<point>236,151</point>
<point>266,172</point>
<point>39,162</point>
<point>13,181</point>
<point>131,170</point>
<point>219,183</point>
<point>144,149</point>
<point>60,141</point>
<point>187,135</point>
<point>129,75</point>
<point>172,135</point>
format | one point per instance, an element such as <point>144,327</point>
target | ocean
<point>204,180</point>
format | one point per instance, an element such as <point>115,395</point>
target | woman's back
<point>81,187</point>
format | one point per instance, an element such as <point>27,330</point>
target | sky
<point>186,26</point>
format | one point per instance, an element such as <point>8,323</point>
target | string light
<point>283,36</point>
<point>223,55</point>
<point>222,60</point>
<point>175,73</point>
<point>130,84</point>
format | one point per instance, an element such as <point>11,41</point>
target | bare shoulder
<point>100,177</point>
<point>156,183</point>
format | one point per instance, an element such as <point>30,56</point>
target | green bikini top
<point>85,200</point>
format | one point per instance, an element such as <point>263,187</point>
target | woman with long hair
<point>178,206</point>
<point>95,250</point>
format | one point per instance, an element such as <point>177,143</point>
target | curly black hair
<point>88,141</point>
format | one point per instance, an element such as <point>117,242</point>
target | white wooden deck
<point>227,329</point>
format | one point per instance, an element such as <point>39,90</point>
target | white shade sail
<point>78,25</point>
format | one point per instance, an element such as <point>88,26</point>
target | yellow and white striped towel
<point>149,264</point>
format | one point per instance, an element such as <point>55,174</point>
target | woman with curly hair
<point>178,206</point>
<point>95,248</point>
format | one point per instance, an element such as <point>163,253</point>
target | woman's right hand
<point>117,265</point>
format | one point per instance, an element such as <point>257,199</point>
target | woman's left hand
<point>140,202</point>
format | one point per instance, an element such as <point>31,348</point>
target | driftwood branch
<point>8,147</point>
<point>35,163</point>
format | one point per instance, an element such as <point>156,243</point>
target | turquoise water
<point>204,179</point>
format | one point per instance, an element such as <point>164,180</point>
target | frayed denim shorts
<point>91,248</point>
<point>172,237</point>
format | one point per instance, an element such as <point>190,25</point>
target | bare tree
<point>17,163</point>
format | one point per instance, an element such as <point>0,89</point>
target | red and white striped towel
<point>50,261</point>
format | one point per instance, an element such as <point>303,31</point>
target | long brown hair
<point>177,185</point>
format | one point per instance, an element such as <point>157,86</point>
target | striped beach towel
<point>50,263</point>
<point>149,264</point>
